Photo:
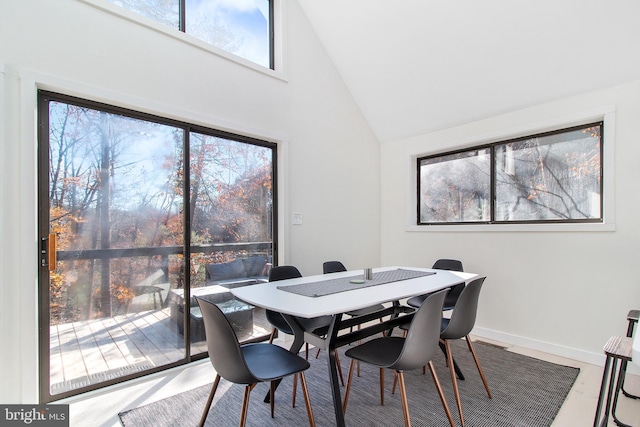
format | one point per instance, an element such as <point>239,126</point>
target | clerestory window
<point>243,28</point>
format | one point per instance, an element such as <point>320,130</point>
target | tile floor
<point>100,408</point>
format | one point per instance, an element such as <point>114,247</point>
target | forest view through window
<point>144,213</point>
<point>551,177</point>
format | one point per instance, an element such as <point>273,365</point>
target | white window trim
<point>279,12</point>
<point>605,114</point>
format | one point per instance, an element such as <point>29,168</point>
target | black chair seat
<point>404,354</point>
<point>449,301</point>
<point>382,352</point>
<point>271,362</point>
<point>248,364</point>
<point>277,321</point>
<point>284,272</point>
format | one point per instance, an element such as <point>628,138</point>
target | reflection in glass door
<point>137,214</point>
<point>231,219</point>
<point>114,210</point>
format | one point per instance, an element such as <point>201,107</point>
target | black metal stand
<point>632,317</point>
<point>617,348</point>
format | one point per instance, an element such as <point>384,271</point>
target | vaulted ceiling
<point>416,66</point>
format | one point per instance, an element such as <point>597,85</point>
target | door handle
<point>49,257</point>
<point>52,255</point>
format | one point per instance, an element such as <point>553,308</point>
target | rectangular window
<point>455,187</point>
<point>550,177</point>
<point>243,28</point>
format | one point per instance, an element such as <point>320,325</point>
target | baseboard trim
<point>597,359</point>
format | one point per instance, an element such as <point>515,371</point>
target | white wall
<point>565,292</point>
<point>330,165</point>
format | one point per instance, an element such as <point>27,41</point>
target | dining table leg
<point>330,346</point>
<point>330,343</point>
<point>456,368</point>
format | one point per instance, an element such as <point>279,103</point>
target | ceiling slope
<point>416,66</point>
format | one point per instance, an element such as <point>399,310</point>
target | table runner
<point>343,284</point>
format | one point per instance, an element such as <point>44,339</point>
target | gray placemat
<point>343,284</point>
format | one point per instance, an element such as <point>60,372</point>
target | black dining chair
<point>452,296</point>
<point>283,272</point>
<point>405,353</point>
<point>329,267</point>
<point>247,364</point>
<point>449,301</point>
<point>459,326</point>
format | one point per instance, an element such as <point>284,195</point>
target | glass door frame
<point>48,254</point>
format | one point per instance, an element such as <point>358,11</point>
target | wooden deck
<point>89,352</point>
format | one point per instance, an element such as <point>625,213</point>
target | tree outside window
<point>551,177</point>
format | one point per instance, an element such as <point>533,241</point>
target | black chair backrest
<point>452,265</point>
<point>283,272</point>
<point>333,267</point>
<point>463,317</point>
<point>223,346</point>
<point>423,336</point>
<point>448,264</point>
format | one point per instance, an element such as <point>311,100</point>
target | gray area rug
<point>526,392</point>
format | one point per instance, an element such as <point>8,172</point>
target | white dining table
<point>274,296</point>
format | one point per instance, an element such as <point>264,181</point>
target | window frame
<point>183,28</point>
<point>451,153</point>
<point>189,127</point>
<point>276,25</point>
<point>605,114</point>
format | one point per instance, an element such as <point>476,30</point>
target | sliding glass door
<point>136,214</point>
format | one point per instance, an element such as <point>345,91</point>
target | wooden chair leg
<point>245,404</point>
<point>340,367</point>
<point>295,390</point>
<point>403,398</point>
<point>441,394</point>
<point>307,401</point>
<point>475,358</point>
<point>348,389</point>
<point>272,397</point>
<point>272,335</point>
<point>454,381</point>
<point>209,400</point>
